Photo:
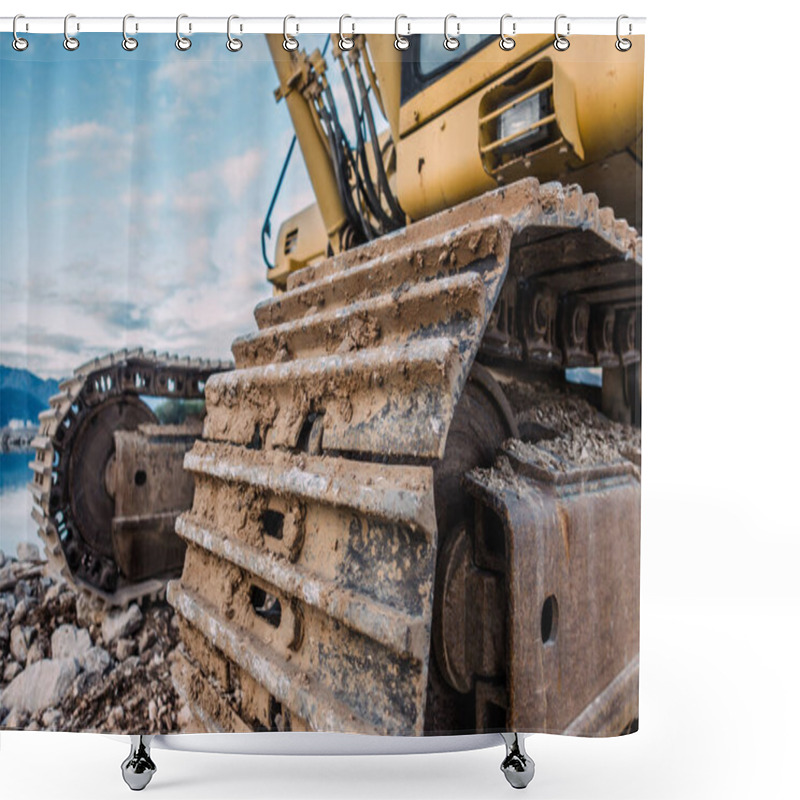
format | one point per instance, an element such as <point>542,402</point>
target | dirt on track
<point>561,429</point>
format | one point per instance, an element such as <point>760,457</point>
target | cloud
<point>238,172</point>
<point>190,79</point>
<point>242,176</point>
<point>40,337</point>
<point>135,198</point>
<point>110,149</point>
<point>83,133</point>
<point>142,225</point>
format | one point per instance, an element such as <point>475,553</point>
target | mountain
<point>22,394</point>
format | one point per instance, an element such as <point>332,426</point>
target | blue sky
<point>132,191</point>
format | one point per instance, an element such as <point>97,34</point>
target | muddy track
<point>307,596</point>
<point>64,471</point>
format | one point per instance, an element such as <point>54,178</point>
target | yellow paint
<point>446,137</point>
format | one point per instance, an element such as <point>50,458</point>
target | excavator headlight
<point>525,122</point>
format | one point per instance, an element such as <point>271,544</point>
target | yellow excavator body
<point>491,118</point>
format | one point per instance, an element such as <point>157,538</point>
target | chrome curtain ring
<point>506,42</point>
<point>181,42</point>
<point>400,42</point>
<point>70,42</point>
<point>289,42</point>
<point>18,43</point>
<point>451,42</point>
<point>128,42</point>
<point>233,44</point>
<point>623,45</point>
<point>561,43</point>
<point>345,43</point>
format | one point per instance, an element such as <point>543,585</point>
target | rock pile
<point>66,666</point>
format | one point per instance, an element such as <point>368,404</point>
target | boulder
<point>147,638</point>
<point>35,653</point>
<point>125,649</point>
<point>40,686</point>
<point>11,671</point>
<point>8,602</point>
<point>87,612</point>
<point>20,611</point>
<point>55,591</point>
<point>20,642</point>
<point>115,717</point>
<point>27,551</point>
<point>120,624</point>
<point>68,641</point>
<point>85,683</point>
<point>96,660</point>
<point>16,720</point>
<point>51,718</point>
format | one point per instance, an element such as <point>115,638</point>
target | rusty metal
<point>540,307</point>
<point>570,541</point>
<point>150,488</point>
<point>626,336</point>
<point>622,393</point>
<point>86,501</point>
<point>328,481</point>
<point>472,637</point>
<point>602,337</point>
<point>574,323</point>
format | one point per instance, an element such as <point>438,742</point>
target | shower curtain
<point>321,374</point>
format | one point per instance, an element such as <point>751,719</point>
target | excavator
<point>412,504</point>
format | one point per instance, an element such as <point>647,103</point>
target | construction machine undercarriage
<point>404,521</point>
<point>108,481</point>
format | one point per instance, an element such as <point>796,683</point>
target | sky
<point>133,187</point>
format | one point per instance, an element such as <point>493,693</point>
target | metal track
<point>67,432</point>
<point>306,599</point>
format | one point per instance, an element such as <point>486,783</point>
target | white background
<point>720,613</point>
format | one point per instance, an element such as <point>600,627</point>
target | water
<point>16,523</point>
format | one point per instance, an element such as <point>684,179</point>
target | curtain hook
<point>181,42</point>
<point>233,44</point>
<point>345,43</point>
<point>623,45</point>
<point>18,43</point>
<point>506,42</point>
<point>70,42</point>
<point>128,42</point>
<point>289,42</point>
<point>451,42</point>
<point>561,43</point>
<point>400,42</point>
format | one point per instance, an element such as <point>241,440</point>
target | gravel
<point>64,666</point>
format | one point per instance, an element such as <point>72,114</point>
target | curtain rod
<point>299,25</point>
